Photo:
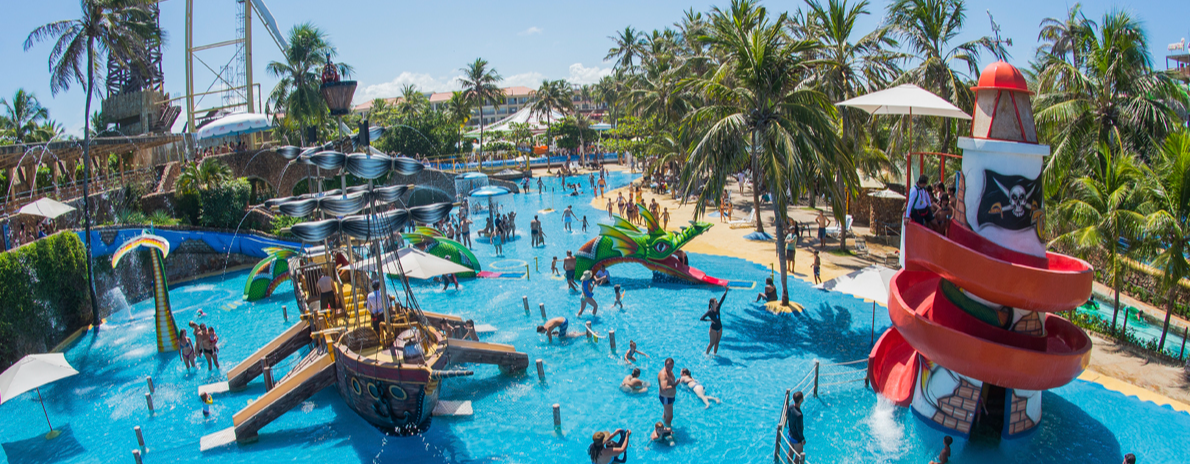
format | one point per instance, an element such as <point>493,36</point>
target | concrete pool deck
<point>1112,366</point>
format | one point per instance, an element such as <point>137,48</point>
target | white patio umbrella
<point>870,283</point>
<point>905,99</point>
<point>415,264</point>
<point>234,125</point>
<point>31,372</point>
<point>47,207</point>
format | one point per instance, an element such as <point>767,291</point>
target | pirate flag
<point>1010,202</point>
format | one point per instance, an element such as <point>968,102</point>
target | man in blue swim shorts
<point>560,324</point>
<point>668,391</point>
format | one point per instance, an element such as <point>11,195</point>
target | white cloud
<point>531,80</point>
<point>423,81</point>
<point>580,74</point>
<point>530,31</point>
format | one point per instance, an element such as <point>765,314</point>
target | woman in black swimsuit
<point>716,325</point>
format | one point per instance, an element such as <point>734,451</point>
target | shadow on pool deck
<point>824,331</point>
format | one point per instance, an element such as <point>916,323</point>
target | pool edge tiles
<point>1131,390</point>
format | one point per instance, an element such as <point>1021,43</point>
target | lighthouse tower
<point>976,337</point>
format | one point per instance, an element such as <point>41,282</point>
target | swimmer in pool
<point>633,383</point>
<point>561,324</point>
<point>695,386</point>
<point>630,356</point>
<point>619,296</point>
<point>661,433</point>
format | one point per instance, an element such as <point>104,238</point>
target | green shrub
<point>43,286</point>
<point>223,206</point>
<point>281,222</point>
<point>188,207</point>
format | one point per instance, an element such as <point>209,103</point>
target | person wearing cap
<point>376,306</point>
<point>588,284</point>
<point>918,209</point>
<point>604,449</point>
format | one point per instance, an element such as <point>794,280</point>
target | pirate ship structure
<point>389,373</point>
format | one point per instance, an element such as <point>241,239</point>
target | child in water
<point>619,295</point>
<point>584,223</point>
<point>554,267</point>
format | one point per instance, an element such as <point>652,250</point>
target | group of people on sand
<point>205,343</point>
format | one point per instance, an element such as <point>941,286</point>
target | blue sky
<point>425,43</point>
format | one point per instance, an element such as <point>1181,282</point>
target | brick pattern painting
<point>957,410</point>
<point>1030,324</point>
<point>1018,420</point>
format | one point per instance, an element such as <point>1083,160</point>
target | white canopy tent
<point>415,263</point>
<point>32,372</point>
<point>234,125</point>
<point>870,283</point>
<point>47,207</point>
<point>537,121</point>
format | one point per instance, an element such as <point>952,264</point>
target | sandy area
<point>1112,366</point>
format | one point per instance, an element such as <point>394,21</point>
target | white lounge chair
<point>744,223</point>
<point>833,231</point>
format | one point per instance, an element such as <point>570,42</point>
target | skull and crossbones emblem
<point>1017,198</point>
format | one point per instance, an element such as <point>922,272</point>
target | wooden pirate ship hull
<point>397,399</point>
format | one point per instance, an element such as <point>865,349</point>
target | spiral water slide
<point>934,319</point>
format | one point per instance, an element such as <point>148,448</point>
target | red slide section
<point>895,371</point>
<point>1057,283</point>
<point>947,335</point>
<point>674,267</point>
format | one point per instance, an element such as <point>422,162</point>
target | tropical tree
<point>843,69</point>
<point>1167,223</point>
<point>113,29</point>
<point>929,28</point>
<point>521,134</point>
<point>412,101</point>
<point>22,115</point>
<point>458,111</point>
<point>479,86</point>
<point>299,77</point>
<point>758,112</point>
<point>1101,209</point>
<point>629,45</point>
<point>1072,35</point>
<point>210,174</point>
<point>552,96</point>
<point>1115,93</point>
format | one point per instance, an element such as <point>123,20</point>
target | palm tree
<point>458,111</point>
<point>296,93</point>
<point>106,28</point>
<point>479,86</point>
<point>1167,224</point>
<point>380,111</point>
<point>844,69</point>
<point>1069,36</point>
<point>210,174</point>
<point>928,28</point>
<point>412,101</point>
<point>22,115</point>
<point>629,45</point>
<point>552,96</point>
<point>1100,208</point>
<point>757,112</point>
<point>1115,93</point>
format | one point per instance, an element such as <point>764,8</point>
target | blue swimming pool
<point>761,355</point>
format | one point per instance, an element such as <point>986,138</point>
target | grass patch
<point>842,253</point>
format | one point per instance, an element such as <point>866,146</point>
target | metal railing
<point>74,189</point>
<point>783,451</point>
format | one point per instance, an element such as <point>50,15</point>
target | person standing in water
<point>794,428</point>
<point>588,284</point>
<point>716,324</point>
<point>667,384</point>
<point>567,218</point>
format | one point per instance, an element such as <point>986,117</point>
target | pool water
<point>1144,328</point>
<point>761,355</point>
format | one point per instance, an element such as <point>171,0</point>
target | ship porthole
<point>374,391</point>
<point>397,392</point>
<point>356,387</point>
